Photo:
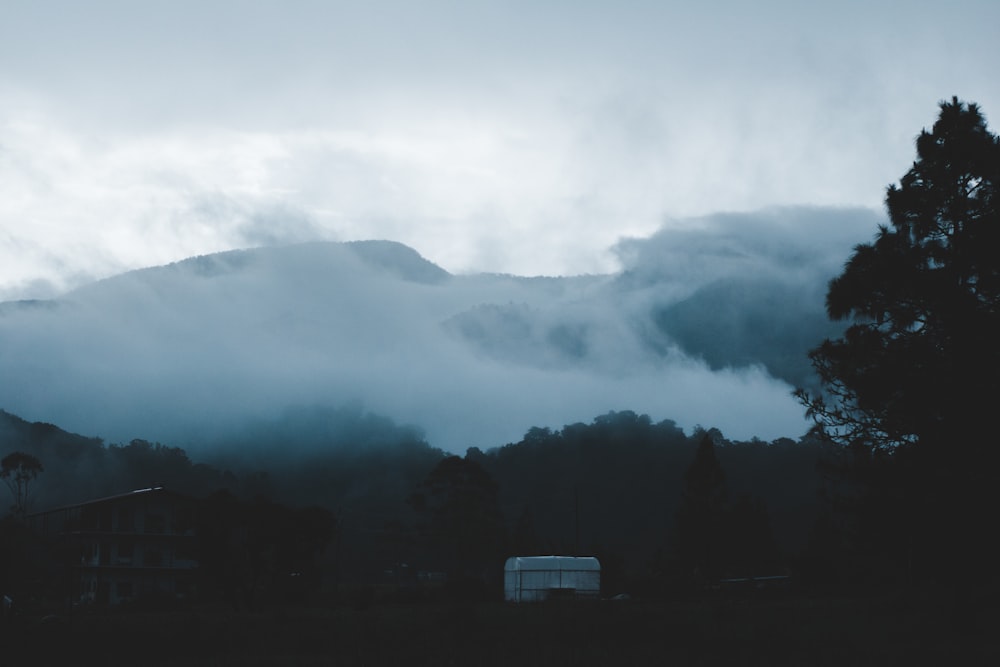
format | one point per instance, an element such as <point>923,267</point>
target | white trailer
<point>537,578</point>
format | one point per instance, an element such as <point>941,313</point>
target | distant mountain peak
<point>400,259</point>
<point>388,257</point>
<point>391,257</point>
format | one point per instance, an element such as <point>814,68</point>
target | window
<point>125,552</point>
<point>186,549</point>
<point>88,554</point>
<point>123,589</point>
<point>183,520</point>
<point>88,518</point>
<point>154,523</point>
<point>152,558</point>
<point>126,520</point>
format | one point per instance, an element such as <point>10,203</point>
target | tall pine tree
<point>916,375</point>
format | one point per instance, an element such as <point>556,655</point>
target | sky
<point>520,137</point>
<point>655,146</point>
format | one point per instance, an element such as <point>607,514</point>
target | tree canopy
<point>702,513</point>
<point>919,361</point>
<point>464,522</point>
<point>911,385</point>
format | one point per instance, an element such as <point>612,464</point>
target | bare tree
<point>18,470</point>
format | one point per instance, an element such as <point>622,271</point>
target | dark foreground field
<point>887,630</point>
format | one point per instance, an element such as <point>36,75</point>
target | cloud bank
<point>191,352</point>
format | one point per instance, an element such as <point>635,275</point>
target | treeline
<point>615,488</point>
<point>626,489</point>
<point>79,468</point>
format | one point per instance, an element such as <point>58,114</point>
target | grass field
<point>885,630</point>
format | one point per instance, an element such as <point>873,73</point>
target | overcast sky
<point>520,137</point>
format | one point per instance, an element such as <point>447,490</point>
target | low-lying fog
<point>708,324</point>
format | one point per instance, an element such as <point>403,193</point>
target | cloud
<point>520,138</point>
<point>190,352</point>
<point>791,243</point>
<point>511,137</point>
<point>742,289</point>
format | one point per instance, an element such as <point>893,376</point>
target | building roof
<point>120,496</point>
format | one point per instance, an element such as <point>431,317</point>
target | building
<point>126,546</point>
<point>538,578</point>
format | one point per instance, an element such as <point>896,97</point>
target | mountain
<point>192,352</point>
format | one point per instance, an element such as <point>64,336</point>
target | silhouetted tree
<point>716,537</point>
<point>18,470</point>
<point>916,374</point>
<point>920,361</point>
<point>702,515</point>
<point>463,520</point>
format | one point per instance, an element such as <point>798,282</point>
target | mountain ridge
<point>189,351</point>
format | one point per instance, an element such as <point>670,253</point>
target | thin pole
<point>576,503</point>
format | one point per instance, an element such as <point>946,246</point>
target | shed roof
<point>575,563</point>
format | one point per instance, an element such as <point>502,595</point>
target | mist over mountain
<point>706,324</point>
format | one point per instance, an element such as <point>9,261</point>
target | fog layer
<point>708,324</point>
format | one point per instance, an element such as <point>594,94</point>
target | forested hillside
<point>612,487</point>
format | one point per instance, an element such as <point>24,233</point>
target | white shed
<point>536,578</point>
